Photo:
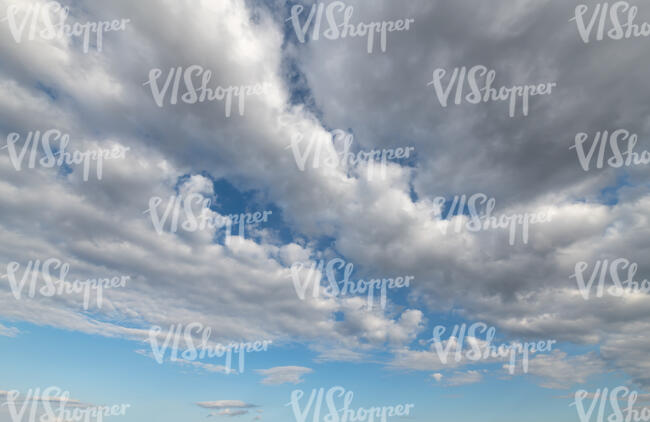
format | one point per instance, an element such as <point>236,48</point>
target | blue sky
<point>77,362</point>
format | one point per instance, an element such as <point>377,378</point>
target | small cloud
<point>463,378</point>
<point>209,367</point>
<point>17,397</point>
<point>224,404</point>
<point>337,354</point>
<point>561,371</point>
<point>8,331</point>
<point>284,374</point>
<point>228,412</point>
<point>459,378</point>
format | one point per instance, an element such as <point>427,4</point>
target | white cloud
<point>8,331</point>
<point>225,404</point>
<point>228,412</point>
<point>284,374</point>
<point>557,370</point>
<point>383,226</point>
<point>463,378</point>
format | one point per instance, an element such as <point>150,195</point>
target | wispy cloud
<point>223,404</point>
<point>8,331</point>
<point>284,374</point>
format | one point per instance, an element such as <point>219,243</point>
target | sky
<point>303,96</point>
